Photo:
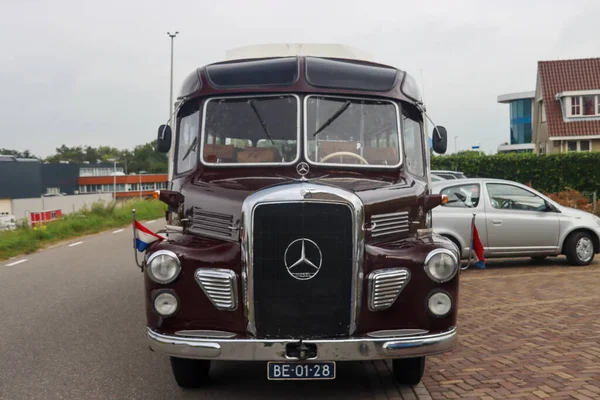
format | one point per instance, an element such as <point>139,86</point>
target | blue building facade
<point>520,111</point>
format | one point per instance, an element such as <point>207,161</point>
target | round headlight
<point>163,266</point>
<point>441,265</point>
<point>439,304</point>
<point>166,304</point>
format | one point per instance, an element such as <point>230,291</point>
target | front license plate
<point>301,371</point>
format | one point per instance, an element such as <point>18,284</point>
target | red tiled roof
<point>568,75</point>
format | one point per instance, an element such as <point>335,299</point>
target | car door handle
<point>497,221</point>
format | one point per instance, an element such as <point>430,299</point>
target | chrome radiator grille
<point>385,286</point>
<point>385,224</point>
<point>220,286</point>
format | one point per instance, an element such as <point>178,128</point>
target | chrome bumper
<point>350,349</point>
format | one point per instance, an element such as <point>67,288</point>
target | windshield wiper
<point>333,117</point>
<point>262,121</point>
<point>192,147</point>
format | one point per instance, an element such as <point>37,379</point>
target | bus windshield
<point>342,131</point>
<point>251,130</point>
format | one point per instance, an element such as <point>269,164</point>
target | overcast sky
<point>97,72</point>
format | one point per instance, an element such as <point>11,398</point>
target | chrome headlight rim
<point>432,254</point>
<point>433,293</point>
<point>154,296</point>
<point>167,253</point>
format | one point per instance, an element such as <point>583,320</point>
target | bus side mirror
<point>439,139</point>
<point>164,138</point>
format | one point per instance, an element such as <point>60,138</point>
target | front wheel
<point>579,248</point>
<point>189,373</point>
<point>408,371</point>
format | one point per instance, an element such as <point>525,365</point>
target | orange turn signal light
<point>156,194</point>
<point>444,199</point>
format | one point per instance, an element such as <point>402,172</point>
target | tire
<point>189,373</point>
<point>408,371</point>
<point>453,240</point>
<point>579,248</point>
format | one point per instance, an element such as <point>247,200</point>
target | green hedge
<point>550,173</point>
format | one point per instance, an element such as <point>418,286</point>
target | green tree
<point>16,153</point>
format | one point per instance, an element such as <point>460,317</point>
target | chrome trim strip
<point>206,334</point>
<point>397,332</point>
<point>252,96</point>
<point>395,215</point>
<point>350,166</point>
<point>349,349</point>
<point>220,286</point>
<point>302,192</point>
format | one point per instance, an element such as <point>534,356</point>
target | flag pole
<point>141,266</point>
<point>471,250</point>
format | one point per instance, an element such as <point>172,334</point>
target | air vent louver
<point>385,286</point>
<point>386,224</point>
<point>213,223</point>
<point>220,286</point>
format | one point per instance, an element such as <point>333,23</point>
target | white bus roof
<point>298,49</point>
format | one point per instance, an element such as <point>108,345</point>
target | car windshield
<point>342,131</point>
<point>251,130</point>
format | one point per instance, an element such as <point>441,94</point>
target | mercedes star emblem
<point>302,168</point>
<point>303,259</point>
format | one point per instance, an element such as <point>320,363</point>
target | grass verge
<point>97,218</point>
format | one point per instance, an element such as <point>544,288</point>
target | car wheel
<point>189,373</point>
<point>453,240</point>
<point>579,248</point>
<point>408,371</point>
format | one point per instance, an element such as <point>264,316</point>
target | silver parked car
<point>514,220</point>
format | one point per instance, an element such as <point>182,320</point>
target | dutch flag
<point>144,237</point>
<point>477,247</point>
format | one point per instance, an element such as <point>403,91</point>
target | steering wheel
<point>508,204</point>
<point>345,153</point>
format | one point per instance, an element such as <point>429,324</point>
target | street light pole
<point>114,160</point>
<point>115,181</point>
<point>172,36</point>
<point>140,174</point>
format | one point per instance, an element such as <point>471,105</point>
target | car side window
<point>462,196</point>
<point>509,197</point>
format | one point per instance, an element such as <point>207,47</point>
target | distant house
<point>521,109</point>
<point>566,113</point>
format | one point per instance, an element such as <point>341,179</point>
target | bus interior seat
<point>258,155</point>
<point>222,152</point>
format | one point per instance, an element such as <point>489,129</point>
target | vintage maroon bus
<point>299,222</point>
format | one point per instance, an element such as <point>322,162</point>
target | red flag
<point>477,246</point>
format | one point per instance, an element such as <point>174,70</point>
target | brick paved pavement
<point>526,331</point>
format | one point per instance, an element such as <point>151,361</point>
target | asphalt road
<point>72,327</point>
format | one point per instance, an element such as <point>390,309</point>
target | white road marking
<point>75,244</point>
<point>118,230</point>
<point>16,262</point>
<point>150,222</point>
